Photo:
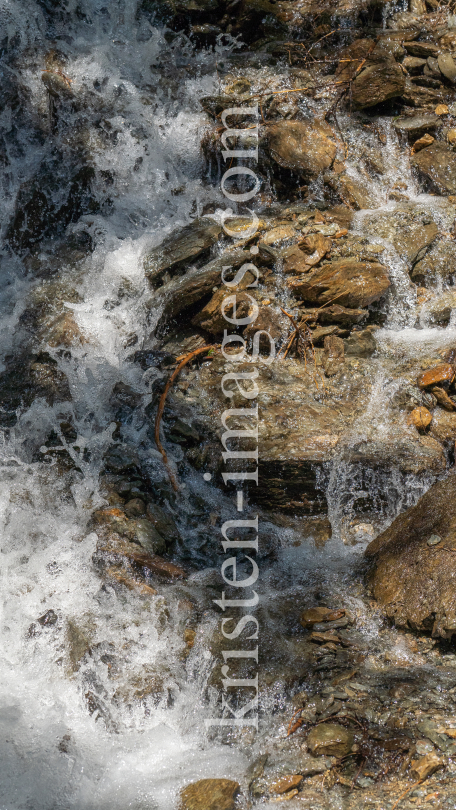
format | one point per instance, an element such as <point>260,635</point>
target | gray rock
<point>360,344</point>
<point>416,124</point>
<point>185,245</point>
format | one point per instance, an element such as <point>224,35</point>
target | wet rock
<point>48,619</point>
<point>352,57</point>
<point>116,576</point>
<point>270,319</point>
<point>424,767</point>
<point>184,291</point>
<point>442,109</point>
<point>447,66</point>
<point>285,783</point>
<point>209,794</point>
<point>79,638</point>
<point>135,508</point>
<point>281,233</point>
<point>163,523</point>
<point>422,142</point>
<point>413,582</point>
<point>422,49</point>
<point>436,165</point>
<point>421,418</point>
<point>438,262</point>
<point>443,399</point>
<point>360,344</point>
<point>423,97</point>
<point>352,191</point>
<point>213,317</point>
<point>377,84</point>
<point>56,84</point>
<point>333,357</point>
<point>330,739</point>
<point>343,316</point>
<point>444,426</point>
<point>354,284</point>
<point>121,459</point>
<point>315,615</point>
<point>189,243</point>
<point>413,64</point>
<point>308,148</point>
<point>112,548</point>
<point>410,229</point>
<point>444,373</point>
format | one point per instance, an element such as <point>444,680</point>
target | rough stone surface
<point>185,245</point>
<point>307,148</point>
<point>413,582</point>
<point>437,165</point>
<point>330,739</point>
<point>354,284</point>
<point>209,794</point>
<point>378,83</point>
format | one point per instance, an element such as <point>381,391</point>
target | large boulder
<point>414,563</point>
<point>354,284</point>
<point>437,165</point>
<point>306,147</point>
<point>378,83</point>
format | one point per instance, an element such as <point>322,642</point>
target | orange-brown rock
<point>316,615</point>
<point>209,794</point>
<point>353,284</point>
<point>378,83</point>
<point>413,580</point>
<point>306,147</point>
<point>420,417</point>
<point>286,783</point>
<point>443,399</point>
<point>211,317</point>
<point>112,548</point>
<point>333,355</point>
<point>444,373</point>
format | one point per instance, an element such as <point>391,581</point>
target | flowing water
<point>69,737</point>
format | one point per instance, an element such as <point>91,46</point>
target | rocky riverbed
<point>111,144</point>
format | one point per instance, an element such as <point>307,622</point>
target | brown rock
<point>436,164</point>
<point>413,582</point>
<point>354,284</point>
<point>360,344</point>
<point>447,66</point>
<point>354,192</point>
<point>212,318</point>
<point>209,794</point>
<point>315,615</point>
<point>333,355</point>
<point>443,399</point>
<point>422,142</point>
<point>330,739</point>
<point>421,418</point>
<point>341,315</point>
<point>443,426</point>
<point>436,375</point>
<point>271,320</point>
<point>315,246</point>
<point>286,783</point>
<point>352,57</point>
<point>424,767</point>
<point>422,49</point>
<point>307,148</point>
<point>378,83</point>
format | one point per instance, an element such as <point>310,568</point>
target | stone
<point>270,319</point>
<point>451,136</point>
<point>427,765</point>
<point>214,320</point>
<point>443,399</point>
<point>333,356</point>
<point>352,57</point>
<point>409,228</point>
<point>56,84</point>
<point>437,263</point>
<point>135,508</point>
<point>307,148</point>
<point>78,638</point>
<point>422,142</point>
<point>48,619</point>
<point>114,548</point>
<point>434,540</point>
<point>163,523</point>
<point>330,739</point>
<point>279,234</point>
<point>315,615</point>
<point>413,64</point>
<point>447,66</point>
<point>285,783</point>
<point>415,124</point>
<point>120,459</point>
<point>376,84</point>
<point>353,191</point>
<point>209,794</point>
<point>360,344</point>
<point>414,583</point>
<point>185,245</point>
<point>421,418</point>
<point>343,316</point>
<point>354,284</point>
<point>444,373</point>
<point>417,7</point>
<point>441,109</point>
<point>422,49</point>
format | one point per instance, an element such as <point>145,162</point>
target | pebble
<point>330,739</point>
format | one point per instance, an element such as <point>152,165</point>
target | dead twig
<point>161,406</point>
<point>292,727</point>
